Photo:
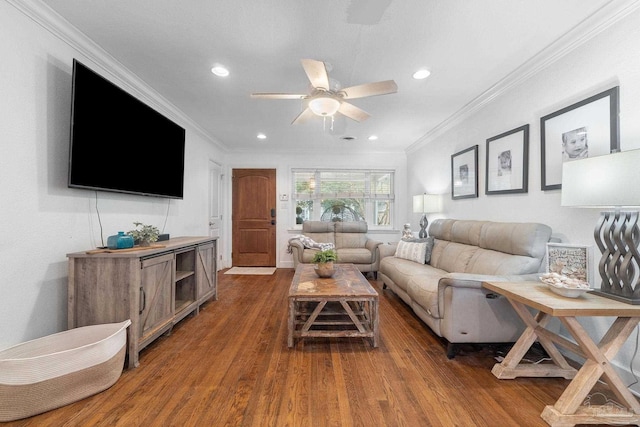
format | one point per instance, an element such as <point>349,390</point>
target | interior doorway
<point>253,218</point>
<point>215,205</point>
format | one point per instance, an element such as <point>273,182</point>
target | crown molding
<point>603,18</point>
<point>60,28</point>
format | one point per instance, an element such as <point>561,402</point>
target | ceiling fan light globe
<point>324,106</point>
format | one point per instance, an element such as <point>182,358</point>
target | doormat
<point>265,271</point>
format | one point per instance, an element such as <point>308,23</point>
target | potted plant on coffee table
<point>323,261</point>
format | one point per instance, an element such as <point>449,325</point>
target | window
<point>344,195</point>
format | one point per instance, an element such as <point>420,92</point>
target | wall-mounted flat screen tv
<point>119,143</point>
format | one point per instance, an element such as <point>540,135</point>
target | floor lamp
<point>424,204</point>
<point>610,182</point>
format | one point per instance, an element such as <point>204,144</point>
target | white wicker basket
<point>53,371</point>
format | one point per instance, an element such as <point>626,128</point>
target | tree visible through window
<point>344,195</point>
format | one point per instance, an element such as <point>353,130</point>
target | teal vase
<point>120,241</point>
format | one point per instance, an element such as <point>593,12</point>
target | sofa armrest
<point>468,280</point>
<point>372,245</point>
<point>455,290</point>
<point>296,248</point>
<point>387,250</point>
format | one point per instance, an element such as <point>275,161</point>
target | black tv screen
<point>120,144</point>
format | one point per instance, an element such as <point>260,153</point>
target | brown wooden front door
<point>254,218</point>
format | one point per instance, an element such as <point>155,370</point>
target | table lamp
<point>610,182</point>
<point>424,204</point>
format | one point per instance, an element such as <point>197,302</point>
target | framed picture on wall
<point>464,173</point>
<point>507,168</point>
<point>570,260</point>
<point>587,128</point>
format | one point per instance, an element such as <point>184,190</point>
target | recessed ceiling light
<point>261,136</point>
<point>220,71</point>
<point>421,74</point>
<point>373,137</point>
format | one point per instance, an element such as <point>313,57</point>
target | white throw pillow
<point>413,251</point>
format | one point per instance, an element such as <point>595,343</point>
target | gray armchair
<point>349,238</point>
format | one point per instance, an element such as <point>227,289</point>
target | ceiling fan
<point>324,101</point>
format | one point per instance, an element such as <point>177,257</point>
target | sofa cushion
<point>322,237</point>
<point>351,227</point>
<point>400,270</point>
<point>525,239</point>
<point>318,227</point>
<point>423,290</point>
<point>350,240</point>
<point>485,261</point>
<point>413,251</point>
<point>451,256</point>
<point>321,232</point>
<point>354,256</point>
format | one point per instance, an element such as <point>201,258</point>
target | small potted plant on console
<point>323,261</point>
<point>144,235</point>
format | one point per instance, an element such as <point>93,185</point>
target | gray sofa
<point>350,239</point>
<point>447,294</point>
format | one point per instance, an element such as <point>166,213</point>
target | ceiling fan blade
<point>278,95</point>
<point>353,112</point>
<point>317,73</point>
<point>303,117</point>
<point>370,89</point>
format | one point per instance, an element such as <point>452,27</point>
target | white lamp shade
<point>607,181</point>
<point>427,203</point>
<point>324,106</point>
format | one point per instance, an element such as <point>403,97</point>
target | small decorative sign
<point>572,261</point>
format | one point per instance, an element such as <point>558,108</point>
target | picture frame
<point>464,173</point>
<point>507,166</point>
<point>570,260</point>
<point>587,128</point>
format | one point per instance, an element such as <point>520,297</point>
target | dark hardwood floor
<point>230,366</point>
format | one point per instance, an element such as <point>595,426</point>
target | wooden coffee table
<point>344,305</point>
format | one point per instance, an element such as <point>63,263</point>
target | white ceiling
<point>469,46</point>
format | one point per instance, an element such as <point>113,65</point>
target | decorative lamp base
<point>617,235</point>
<point>423,226</point>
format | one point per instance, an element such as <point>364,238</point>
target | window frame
<point>369,197</point>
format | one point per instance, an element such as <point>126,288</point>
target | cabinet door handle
<point>143,298</point>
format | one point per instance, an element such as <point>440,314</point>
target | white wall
<point>610,59</point>
<point>284,163</point>
<point>41,220</point>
